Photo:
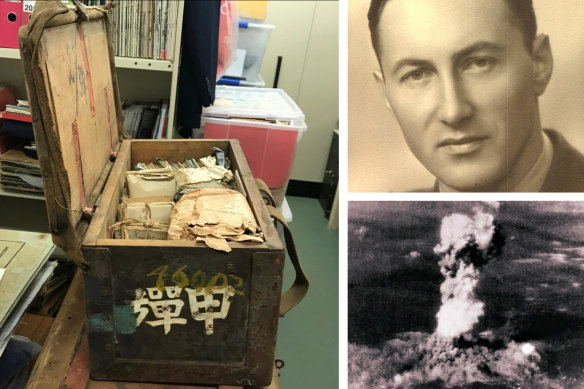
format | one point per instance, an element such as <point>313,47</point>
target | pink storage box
<point>268,148</point>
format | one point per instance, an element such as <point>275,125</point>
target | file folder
<point>27,8</point>
<point>10,22</point>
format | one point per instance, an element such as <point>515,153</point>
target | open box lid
<point>70,73</point>
<point>253,103</point>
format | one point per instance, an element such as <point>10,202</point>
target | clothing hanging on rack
<point>198,68</point>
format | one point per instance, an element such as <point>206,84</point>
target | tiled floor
<point>308,334</point>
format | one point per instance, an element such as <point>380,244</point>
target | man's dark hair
<point>521,10</point>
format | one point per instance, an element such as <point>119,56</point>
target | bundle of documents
<point>214,217</point>
<point>20,172</point>
<point>207,209</point>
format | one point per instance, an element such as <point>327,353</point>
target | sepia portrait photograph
<point>465,96</point>
<point>466,295</point>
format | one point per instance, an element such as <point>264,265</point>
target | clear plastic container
<point>253,38</point>
<point>254,103</point>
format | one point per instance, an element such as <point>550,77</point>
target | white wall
<point>306,36</point>
<point>379,160</point>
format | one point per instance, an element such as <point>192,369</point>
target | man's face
<point>460,82</point>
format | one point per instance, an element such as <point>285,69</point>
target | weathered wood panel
<point>53,361</point>
<point>196,314</point>
<point>77,71</point>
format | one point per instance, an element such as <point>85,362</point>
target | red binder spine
<point>10,22</point>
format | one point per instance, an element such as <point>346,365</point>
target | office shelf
<point>121,62</point>
<point>9,53</point>
<point>127,63</point>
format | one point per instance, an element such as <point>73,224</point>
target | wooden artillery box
<point>157,310</point>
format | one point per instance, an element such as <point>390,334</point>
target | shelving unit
<point>121,62</point>
<point>9,53</point>
<point>139,65</point>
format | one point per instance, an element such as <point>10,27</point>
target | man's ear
<point>543,63</point>
<point>380,82</point>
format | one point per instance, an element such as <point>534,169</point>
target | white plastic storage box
<point>253,38</point>
<point>267,123</point>
<point>253,103</point>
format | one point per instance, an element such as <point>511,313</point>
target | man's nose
<point>455,107</point>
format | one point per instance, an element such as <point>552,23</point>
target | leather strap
<point>300,286</point>
<point>265,192</point>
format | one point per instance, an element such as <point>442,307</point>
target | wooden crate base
<point>64,359</point>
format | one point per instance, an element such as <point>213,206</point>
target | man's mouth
<point>463,145</point>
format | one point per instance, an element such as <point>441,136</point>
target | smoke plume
<point>454,355</point>
<point>464,247</point>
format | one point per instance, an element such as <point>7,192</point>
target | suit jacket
<point>198,66</point>
<point>566,172</point>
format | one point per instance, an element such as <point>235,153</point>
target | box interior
<point>132,152</point>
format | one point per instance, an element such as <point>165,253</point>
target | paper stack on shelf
<point>19,111</point>
<point>20,172</point>
<point>19,168</point>
<point>22,107</point>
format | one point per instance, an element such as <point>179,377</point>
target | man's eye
<point>479,64</point>
<point>416,77</point>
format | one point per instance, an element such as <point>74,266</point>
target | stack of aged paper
<point>207,209</point>
<point>214,216</point>
<point>20,172</point>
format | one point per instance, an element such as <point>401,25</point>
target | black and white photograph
<point>465,96</point>
<point>465,294</point>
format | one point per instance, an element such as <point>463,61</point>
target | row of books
<point>146,121</point>
<point>145,29</point>
<point>142,29</point>
<point>91,2</point>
